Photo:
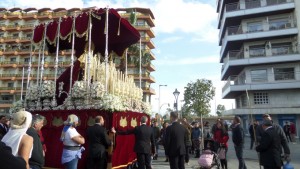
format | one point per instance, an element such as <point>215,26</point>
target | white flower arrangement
<point>97,90</point>
<point>48,88</point>
<point>79,90</point>
<point>32,93</point>
<point>16,106</point>
<point>146,108</point>
<point>112,103</point>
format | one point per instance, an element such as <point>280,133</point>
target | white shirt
<point>69,134</point>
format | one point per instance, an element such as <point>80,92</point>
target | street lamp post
<point>176,94</point>
<point>159,98</point>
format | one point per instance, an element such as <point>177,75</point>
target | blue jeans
<point>71,164</point>
<point>239,155</point>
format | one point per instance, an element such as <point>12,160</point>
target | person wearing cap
<point>283,140</point>
<point>16,138</point>
<point>37,159</point>
<point>72,141</point>
<point>270,147</point>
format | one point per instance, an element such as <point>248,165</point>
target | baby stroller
<point>209,158</point>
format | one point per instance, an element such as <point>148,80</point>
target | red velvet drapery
<point>121,34</point>
<point>123,154</point>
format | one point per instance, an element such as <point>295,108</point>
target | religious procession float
<point>90,86</point>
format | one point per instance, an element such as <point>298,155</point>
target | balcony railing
<point>236,30</point>
<point>253,4</point>
<point>261,52</point>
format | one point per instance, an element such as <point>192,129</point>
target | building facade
<point>16,29</point>
<point>260,42</point>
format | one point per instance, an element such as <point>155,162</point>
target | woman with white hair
<point>16,138</point>
<point>72,141</point>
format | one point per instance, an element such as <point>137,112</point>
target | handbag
<point>222,153</point>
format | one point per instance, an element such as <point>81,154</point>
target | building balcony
<point>15,39</point>
<point>235,61</point>
<point>239,34</point>
<point>148,90</point>
<point>26,28</point>
<point>147,78</point>
<point>12,77</point>
<point>44,15</point>
<point>237,85</point>
<point>148,42</point>
<point>152,56</point>
<point>150,67</point>
<point>29,16</point>
<point>254,7</point>
<point>146,28</point>
<point>14,16</point>
<point>146,17</point>
<point>10,28</point>
<point>11,90</point>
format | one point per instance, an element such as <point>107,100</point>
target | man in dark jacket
<point>260,131</point>
<point>144,143</point>
<point>176,142</point>
<point>8,160</point>
<point>156,135</point>
<point>252,129</point>
<point>3,126</point>
<point>98,143</point>
<point>238,140</point>
<point>270,147</point>
<point>37,159</point>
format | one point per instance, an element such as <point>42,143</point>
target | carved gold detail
<point>57,121</point>
<point>91,121</point>
<point>123,122</point>
<point>133,122</point>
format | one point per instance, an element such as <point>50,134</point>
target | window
<point>259,75</point>
<point>252,4</point>
<point>282,48</point>
<point>13,59</point>
<point>140,23</point>
<point>26,60</point>
<point>254,27</point>
<point>284,74</point>
<point>244,101</point>
<point>10,84</point>
<point>261,98</point>
<point>257,51</point>
<point>281,23</point>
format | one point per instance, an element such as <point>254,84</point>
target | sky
<point>186,43</point>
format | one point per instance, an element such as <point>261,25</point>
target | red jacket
<point>221,137</point>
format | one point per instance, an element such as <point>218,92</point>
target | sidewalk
<point>250,156</point>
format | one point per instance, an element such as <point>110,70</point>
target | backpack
<point>206,159</point>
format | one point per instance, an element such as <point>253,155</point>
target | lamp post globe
<point>176,94</point>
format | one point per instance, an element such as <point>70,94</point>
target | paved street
<point>250,157</point>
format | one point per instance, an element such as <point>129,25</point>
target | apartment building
<point>16,28</point>
<point>259,42</point>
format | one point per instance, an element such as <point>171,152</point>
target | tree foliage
<point>197,97</point>
<point>220,109</point>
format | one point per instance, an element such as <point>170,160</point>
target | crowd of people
<point>22,143</point>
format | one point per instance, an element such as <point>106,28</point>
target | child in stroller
<point>209,158</point>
